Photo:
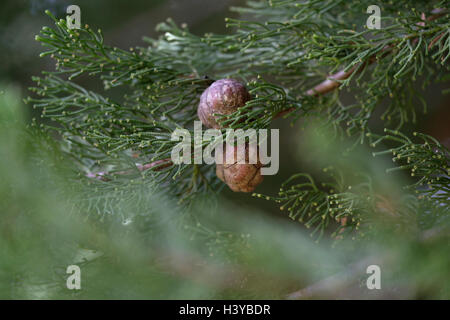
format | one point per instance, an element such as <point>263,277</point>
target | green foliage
<point>359,197</point>
<point>291,43</point>
<point>428,162</point>
<point>108,132</point>
<point>134,245</point>
<point>128,242</point>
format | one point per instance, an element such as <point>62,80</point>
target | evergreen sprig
<point>428,162</point>
<point>283,55</point>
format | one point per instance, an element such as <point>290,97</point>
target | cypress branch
<point>130,137</point>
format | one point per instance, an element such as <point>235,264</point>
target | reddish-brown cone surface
<point>222,97</point>
<point>240,177</point>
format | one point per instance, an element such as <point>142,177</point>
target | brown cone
<point>222,97</point>
<point>240,177</point>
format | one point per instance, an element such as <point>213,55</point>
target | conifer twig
<point>156,165</point>
<point>328,85</point>
<point>332,82</point>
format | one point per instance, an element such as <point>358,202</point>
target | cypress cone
<point>240,177</point>
<point>222,97</point>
